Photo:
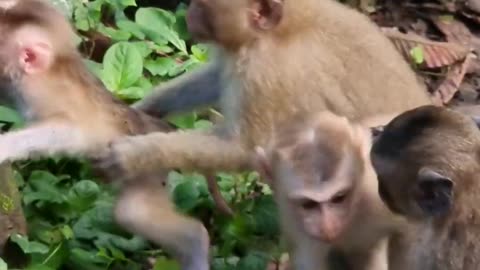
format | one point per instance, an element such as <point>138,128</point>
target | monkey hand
<point>117,161</point>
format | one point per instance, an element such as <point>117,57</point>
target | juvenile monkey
<point>326,190</point>
<point>428,165</point>
<point>71,113</point>
<point>275,58</point>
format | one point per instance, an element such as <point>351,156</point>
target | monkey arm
<point>188,150</point>
<point>41,140</point>
<point>199,88</point>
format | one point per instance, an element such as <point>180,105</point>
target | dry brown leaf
<point>447,89</point>
<point>435,54</point>
<point>454,30</point>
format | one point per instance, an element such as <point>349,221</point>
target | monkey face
<point>324,218</point>
<point>232,23</point>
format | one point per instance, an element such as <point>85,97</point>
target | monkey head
<point>33,34</point>
<point>319,165</point>
<point>232,23</point>
<point>420,156</point>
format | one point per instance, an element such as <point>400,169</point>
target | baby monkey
<point>326,189</point>
<point>428,165</point>
<point>71,113</point>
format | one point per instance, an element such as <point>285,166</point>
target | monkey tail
<point>220,202</point>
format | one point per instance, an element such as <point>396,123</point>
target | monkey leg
<point>146,210</point>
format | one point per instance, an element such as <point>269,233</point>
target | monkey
<point>427,163</point>
<point>326,190</point>
<point>273,58</point>
<point>69,112</point>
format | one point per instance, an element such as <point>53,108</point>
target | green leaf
<point>3,265</point>
<point>186,121</point>
<point>29,247</point>
<point>143,48</point>
<point>11,116</point>
<point>253,261</point>
<point>127,3</point>
<point>43,188</point>
<point>200,51</point>
<point>123,65</point>
<point>186,195</point>
<point>132,28</point>
<point>265,215</point>
<point>115,34</point>
<point>158,26</point>
<point>164,264</point>
<point>417,54</point>
<point>160,66</point>
<point>39,267</point>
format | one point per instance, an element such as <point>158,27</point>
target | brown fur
<point>320,56</point>
<point>70,112</point>
<point>448,143</point>
<point>309,156</point>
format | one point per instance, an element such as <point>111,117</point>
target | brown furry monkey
<point>326,189</point>
<point>275,58</point>
<point>428,165</point>
<point>71,113</point>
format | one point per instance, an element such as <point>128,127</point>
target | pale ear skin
<point>262,165</point>
<point>266,14</point>
<point>34,50</point>
<point>434,192</point>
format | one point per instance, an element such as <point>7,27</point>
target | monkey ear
<point>262,164</point>
<point>376,132</point>
<point>267,13</point>
<point>35,52</point>
<point>434,192</point>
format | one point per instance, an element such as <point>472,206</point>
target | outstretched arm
<point>187,150</point>
<point>41,141</point>
<point>199,88</point>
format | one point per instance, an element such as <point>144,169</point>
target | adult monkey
<point>274,58</point>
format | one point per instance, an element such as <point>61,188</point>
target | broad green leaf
<point>127,3</point>
<point>164,264</point>
<point>86,259</point>
<point>43,188</point>
<point>132,28</point>
<point>57,255</point>
<point>11,116</point>
<point>253,261</point>
<point>39,267</point>
<point>3,265</point>
<point>29,247</point>
<point>143,48</point>
<point>185,121</point>
<point>158,26</point>
<point>265,215</point>
<point>417,55</point>
<point>200,51</point>
<point>160,66</point>
<point>186,195</point>
<point>203,125</point>
<point>133,92</point>
<point>94,67</point>
<point>123,66</point>
<point>115,34</point>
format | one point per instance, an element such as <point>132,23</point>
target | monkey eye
<point>308,204</point>
<point>339,197</point>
